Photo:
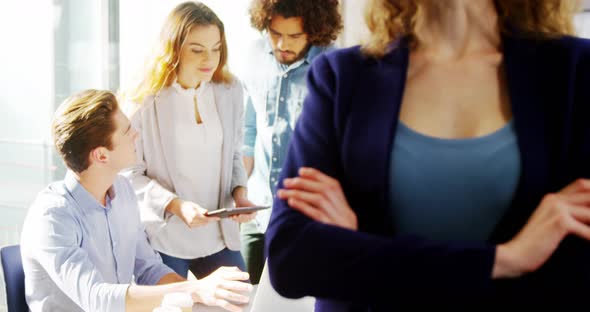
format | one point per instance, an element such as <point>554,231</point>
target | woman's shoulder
<point>571,47</point>
<point>133,108</point>
<point>576,43</point>
<point>345,57</point>
<point>573,55</point>
<point>354,61</point>
<point>233,85</point>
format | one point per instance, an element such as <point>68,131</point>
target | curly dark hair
<point>321,18</point>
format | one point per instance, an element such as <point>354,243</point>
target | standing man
<point>83,244</point>
<point>295,31</point>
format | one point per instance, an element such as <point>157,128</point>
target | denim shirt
<point>274,98</point>
<point>79,255</point>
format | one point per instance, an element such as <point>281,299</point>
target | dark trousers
<point>201,267</point>
<point>252,250</point>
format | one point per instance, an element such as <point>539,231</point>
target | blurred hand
<point>320,197</point>
<point>558,215</point>
<point>223,288</point>
<point>241,200</point>
<point>190,213</point>
<point>244,217</point>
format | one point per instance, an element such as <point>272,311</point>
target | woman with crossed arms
<point>444,162</point>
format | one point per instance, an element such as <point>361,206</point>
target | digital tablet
<point>227,212</point>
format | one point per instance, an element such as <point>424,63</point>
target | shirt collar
<point>313,52</point>
<point>82,196</point>
<point>189,92</point>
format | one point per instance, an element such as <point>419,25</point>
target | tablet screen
<point>226,212</point>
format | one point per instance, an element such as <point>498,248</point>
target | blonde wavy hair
<point>390,20</point>
<point>161,69</point>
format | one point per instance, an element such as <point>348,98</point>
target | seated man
<point>83,243</point>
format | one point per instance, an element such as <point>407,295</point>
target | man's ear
<point>99,155</point>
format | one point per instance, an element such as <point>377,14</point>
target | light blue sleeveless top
<point>452,189</point>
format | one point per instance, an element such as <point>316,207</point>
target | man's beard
<point>277,54</point>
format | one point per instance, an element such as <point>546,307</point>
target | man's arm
<point>155,279</point>
<point>145,298</point>
<point>218,289</point>
<point>248,164</point>
<point>149,268</point>
<point>57,249</point>
<point>70,267</point>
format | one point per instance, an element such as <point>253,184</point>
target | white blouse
<point>195,162</point>
<point>197,155</point>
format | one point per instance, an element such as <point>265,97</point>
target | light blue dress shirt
<point>274,98</point>
<point>81,256</point>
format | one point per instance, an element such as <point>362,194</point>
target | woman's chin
<point>206,77</point>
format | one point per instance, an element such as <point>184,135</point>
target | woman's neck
<point>187,82</point>
<point>451,29</point>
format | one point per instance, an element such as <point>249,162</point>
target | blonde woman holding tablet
<point>188,111</point>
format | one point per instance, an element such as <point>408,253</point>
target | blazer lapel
<point>366,150</point>
<point>374,113</point>
<point>530,119</point>
<point>164,119</point>
<point>218,94</point>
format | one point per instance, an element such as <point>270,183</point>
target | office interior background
<point>54,48</point>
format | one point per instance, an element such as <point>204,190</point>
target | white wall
<point>26,59</point>
<point>26,103</point>
<point>355,29</point>
<point>26,98</point>
<point>582,22</point>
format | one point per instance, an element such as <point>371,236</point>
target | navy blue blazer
<point>346,130</point>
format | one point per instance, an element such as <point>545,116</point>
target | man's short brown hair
<point>83,122</point>
<point>321,19</point>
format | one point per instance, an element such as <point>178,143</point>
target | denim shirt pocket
<point>262,107</point>
<point>295,106</point>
